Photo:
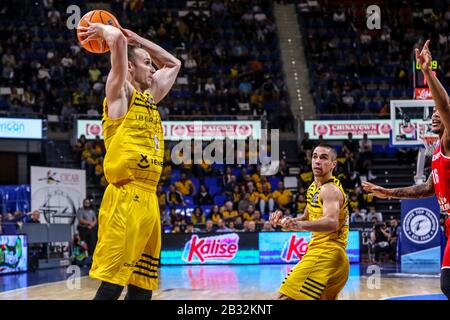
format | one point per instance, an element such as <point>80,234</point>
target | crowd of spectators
<point>89,156</point>
<point>356,70</point>
<point>47,72</point>
<point>237,195</point>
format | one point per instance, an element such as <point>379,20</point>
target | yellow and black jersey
<point>134,143</point>
<point>315,211</point>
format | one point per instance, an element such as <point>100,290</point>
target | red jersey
<point>447,228</point>
<point>440,170</point>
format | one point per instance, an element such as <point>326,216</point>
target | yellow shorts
<point>321,274</point>
<point>129,237</point>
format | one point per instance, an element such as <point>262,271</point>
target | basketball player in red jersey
<point>438,182</point>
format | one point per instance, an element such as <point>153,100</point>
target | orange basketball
<point>99,16</point>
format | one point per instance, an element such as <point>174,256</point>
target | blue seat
<point>270,106</point>
<point>176,173</point>
<point>196,183</point>
<point>175,94</point>
<point>212,181</point>
<point>374,106</point>
<point>371,93</point>
<point>385,93</point>
<point>220,167</point>
<point>220,199</point>
<point>409,92</point>
<point>236,171</point>
<point>274,182</point>
<point>397,92</point>
<point>188,200</point>
<point>185,94</point>
<point>206,208</point>
<point>378,80</point>
<point>215,190</point>
<point>189,210</point>
<point>180,210</point>
<point>361,106</point>
<point>390,80</point>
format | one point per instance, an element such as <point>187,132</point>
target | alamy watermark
<point>373,17</point>
<point>74,13</point>
<point>374,279</point>
<point>73,282</point>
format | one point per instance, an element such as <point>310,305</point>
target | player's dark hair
<point>328,146</point>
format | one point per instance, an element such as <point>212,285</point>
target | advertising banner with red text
<point>243,248</point>
<point>187,130</point>
<point>339,129</point>
<point>422,94</point>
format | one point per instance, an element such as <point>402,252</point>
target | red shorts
<point>446,257</point>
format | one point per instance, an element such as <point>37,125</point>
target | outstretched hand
<point>376,191</point>
<point>424,57</point>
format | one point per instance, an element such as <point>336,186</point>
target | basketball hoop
<point>429,141</point>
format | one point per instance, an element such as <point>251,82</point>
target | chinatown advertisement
<point>243,248</point>
<point>187,130</point>
<point>13,253</point>
<point>339,129</point>
<point>57,193</point>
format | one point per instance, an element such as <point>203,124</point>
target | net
<point>429,141</point>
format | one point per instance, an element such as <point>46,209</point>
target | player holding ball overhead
<point>129,237</point>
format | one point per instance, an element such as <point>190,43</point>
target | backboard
<point>410,120</point>
<point>411,127</point>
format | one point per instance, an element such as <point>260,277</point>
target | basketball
<point>99,16</point>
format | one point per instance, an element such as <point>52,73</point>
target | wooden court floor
<point>244,282</point>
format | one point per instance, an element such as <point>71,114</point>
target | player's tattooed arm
<point>422,190</point>
<point>438,91</point>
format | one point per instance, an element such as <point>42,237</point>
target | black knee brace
<point>108,291</point>
<point>445,282</point>
<point>136,293</point>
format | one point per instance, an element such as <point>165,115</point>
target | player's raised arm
<point>168,65</point>
<point>422,190</point>
<point>119,64</point>
<point>438,92</point>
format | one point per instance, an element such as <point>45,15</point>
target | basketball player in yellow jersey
<point>323,271</point>
<point>129,236</point>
